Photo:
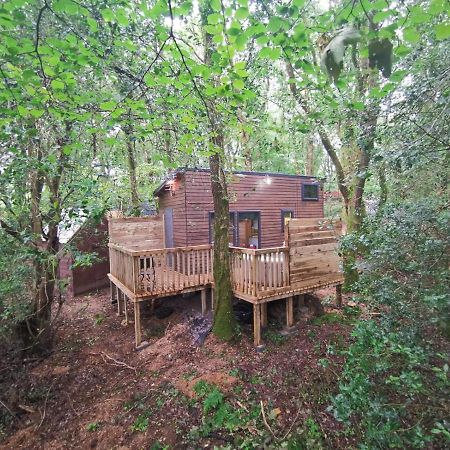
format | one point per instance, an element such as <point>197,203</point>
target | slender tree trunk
<point>309,163</point>
<point>135,201</point>
<point>167,146</point>
<point>383,189</point>
<point>245,139</point>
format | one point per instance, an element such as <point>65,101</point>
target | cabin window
<point>310,191</point>
<point>232,230</point>
<point>249,229</point>
<point>286,216</point>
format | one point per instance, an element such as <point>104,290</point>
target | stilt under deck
<point>308,262</point>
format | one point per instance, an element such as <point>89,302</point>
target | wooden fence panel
<point>312,251</point>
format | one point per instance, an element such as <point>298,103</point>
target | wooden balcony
<point>145,274</point>
<point>309,261</point>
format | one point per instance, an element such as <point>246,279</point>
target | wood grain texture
<point>137,232</point>
<point>192,202</point>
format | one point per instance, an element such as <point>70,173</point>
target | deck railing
<point>153,272</point>
<point>256,271</point>
<point>159,271</point>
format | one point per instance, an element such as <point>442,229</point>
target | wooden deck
<point>309,261</point>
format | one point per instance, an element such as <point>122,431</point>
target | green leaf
<point>107,15</point>
<point>275,23</point>
<point>235,29</point>
<point>298,3</point>
<point>241,13</point>
<point>240,41</point>
<point>411,35</point>
<point>242,73</point>
<point>216,5</point>
<point>442,31</point>
<point>270,53</point>
<point>36,113</point>
<point>262,40</point>
<point>417,15</point>
<point>213,29</point>
<point>66,6</point>
<point>185,8</point>
<point>108,106</point>
<point>214,19</point>
<point>67,150</point>
<point>92,24</point>
<point>122,18</point>
<point>402,50</point>
<point>57,84</point>
<point>381,15</point>
<point>238,84</point>
<point>240,65</point>
<point>437,6</point>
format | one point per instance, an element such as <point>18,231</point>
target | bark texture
<point>224,325</point>
<point>131,158</point>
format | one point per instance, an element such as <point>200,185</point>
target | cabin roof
<point>182,170</point>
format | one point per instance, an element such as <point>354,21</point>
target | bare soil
<point>95,391</point>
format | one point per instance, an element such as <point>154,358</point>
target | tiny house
<point>280,244</point>
<point>260,205</point>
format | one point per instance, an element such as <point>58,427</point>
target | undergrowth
<point>395,388</point>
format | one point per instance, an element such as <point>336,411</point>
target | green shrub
<point>15,286</point>
<point>394,388</point>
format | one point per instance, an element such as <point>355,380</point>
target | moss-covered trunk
<point>224,325</point>
<point>224,322</point>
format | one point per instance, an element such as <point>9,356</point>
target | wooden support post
<point>203,296</point>
<point>125,307</point>
<point>290,311</point>
<point>263,315</point>
<point>120,301</point>
<point>137,323</point>
<point>152,306</point>
<point>111,290</point>
<point>301,300</point>
<point>339,295</point>
<point>212,299</point>
<point>257,324</point>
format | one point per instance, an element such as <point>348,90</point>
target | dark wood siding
<point>247,193</point>
<point>177,202</point>
<point>89,239</point>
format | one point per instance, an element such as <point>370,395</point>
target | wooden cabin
<point>260,204</point>
<point>281,247</point>
<point>89,238</point>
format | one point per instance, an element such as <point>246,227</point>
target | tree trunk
<point>167,146</point>
<point>245,139</point>
<point>309,163</point>
<point>383,189</point>
<point>224,322</point>
<point>36,330</point>
<point>135,201</point>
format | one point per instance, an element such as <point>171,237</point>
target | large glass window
<point>245,229</point>
<point>249,229</point>
<point>310,191</point>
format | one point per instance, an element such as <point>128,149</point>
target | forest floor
<point>95,391</point>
